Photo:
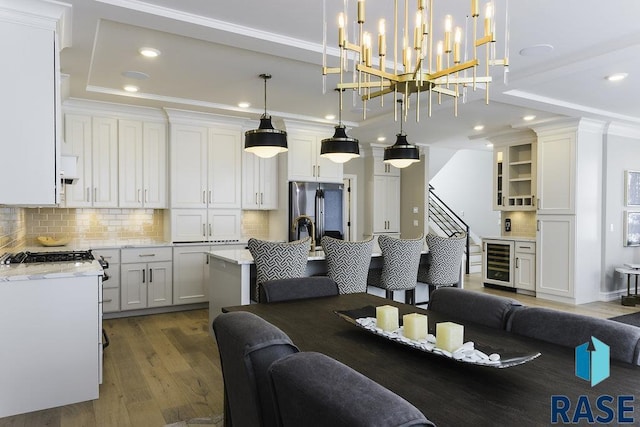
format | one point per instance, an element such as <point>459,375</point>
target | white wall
<point>465,184</point>
<point>621,152</point>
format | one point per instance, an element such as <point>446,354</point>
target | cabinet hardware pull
<point>146,255</point>
<point>209,196</point>
<point>88,194</point>
<point>533,200</point>
<point>150,275</point>
<point>143,275</point>
<point>261,198</point>
<point>517,263</point>
<point>257,202</point>
<point>146,195</point>
<point>314,170</point>
<point>502,200</point>
<point>204,230</point>
<point>107,300</point>
<point>138,198</point>
<point>525,247</point>
<point>204,197</point>
<point>210,230</point>
<point>538,225</point>
<point>318,170</point>
<point>95,194</point>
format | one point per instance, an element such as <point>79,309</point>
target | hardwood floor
<point>164,368</point>
<point>158,369</point>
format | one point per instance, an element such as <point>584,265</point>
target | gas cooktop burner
<point>34,257</point>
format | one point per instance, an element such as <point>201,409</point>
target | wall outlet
<point>415,222</point>
<point>415,210</point>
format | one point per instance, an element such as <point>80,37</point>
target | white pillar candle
<point>387,317</point>
<point>415,326</point>
<point>449,336</point>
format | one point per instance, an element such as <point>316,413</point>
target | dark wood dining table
<point>448,392</point>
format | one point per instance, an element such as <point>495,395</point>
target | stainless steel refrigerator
<point>316,206</point>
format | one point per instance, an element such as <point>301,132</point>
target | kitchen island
<point>232,274</point>
<point>51,330</point>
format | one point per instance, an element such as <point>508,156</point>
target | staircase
<point>445,222</point>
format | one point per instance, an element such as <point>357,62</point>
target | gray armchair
<point>571,330</point>
<point>248,345</point>
<point>314,390</point>
<point>484,309</point>
<point>298,288</point>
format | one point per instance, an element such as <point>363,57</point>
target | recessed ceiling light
<point>138,75</point>
<point>489,145</point>
<point>149,52</point>
<point>131,88</point>
<point>244,105</point>
<point>478,127</point>
<point>528,118</point>
<point>536,50</point>
<point>617,77</point>
<point>382,139</point>
<point>330,116</point>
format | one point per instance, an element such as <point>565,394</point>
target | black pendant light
<point>401,154</point>
<point>340,148</point>
<point>265,141</point>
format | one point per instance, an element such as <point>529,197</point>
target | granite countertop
<point>511,238</point>
<point>49,270</point>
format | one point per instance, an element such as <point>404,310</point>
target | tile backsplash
<point>523,224</point>
<point>255,224</point>
<point>12,226</point>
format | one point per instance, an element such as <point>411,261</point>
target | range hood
<point>69,169</point>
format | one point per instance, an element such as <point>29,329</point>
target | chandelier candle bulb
<point>341,38</point>
<point>360,11</point>
<point>488,15</point>
<point>417,35</point>
<point>456,45</point>
<point>387,318</point>
<point>474,8</point>
<point>415,326</point>
<point>449,336</point>
<point>448,25</point>
<point>382,39</point>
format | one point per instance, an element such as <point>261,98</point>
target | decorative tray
<point>365,318</point>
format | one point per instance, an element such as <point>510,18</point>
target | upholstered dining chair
<point>400,261</point>
<point>444,261</point>
<point>248,345</point>
<point>314,390</point>
<point>571,330</point>
<point>465,305</point>
<point>297,288</point>
<point>278,260</point>
<point>348,263</point>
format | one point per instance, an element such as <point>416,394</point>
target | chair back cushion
<point>400,261</point>
<point>297,288</point>
<point>312,389</point>
<point>248,345</point>
<point>571,330</point>
<point>484,309</point>
<point>444,260</point>
<point>348,263</point>
<point>279,260</point>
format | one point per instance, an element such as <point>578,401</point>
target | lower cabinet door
<point>160,283</point>
<point>133,286</point>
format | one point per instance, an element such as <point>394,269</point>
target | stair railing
<point>444,218</point>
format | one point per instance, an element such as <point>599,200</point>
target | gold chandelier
<point>448,69</point>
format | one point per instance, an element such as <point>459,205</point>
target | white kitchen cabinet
<point>386,204</point>
<point>190,274</point>
<point>142,148</point>
<point>304,160</point>
<point>557,171</point>
<point>556,257</point>
<point>95,141</point>
<point>111,287</point>
<point>205,166</point>
<point>515,171</point>
<point>202,225</point>
<point>30,106</point>
<point>382,213</point>
<point>259,182</point>
<point>146,278</point>
<point>525,266</point>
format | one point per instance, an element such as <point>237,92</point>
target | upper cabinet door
<point>130,193</point>
<point>556,173</point>
<point>301,157</point>
<point>188,166</point>
<point>105,162</point>
<point>224,172</point>
<point>154,165</point>
<point>28,109</point>
<point>77,142</point>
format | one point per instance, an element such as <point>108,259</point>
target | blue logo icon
<point>592,361</point>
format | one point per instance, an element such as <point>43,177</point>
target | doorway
<point>349,206</point>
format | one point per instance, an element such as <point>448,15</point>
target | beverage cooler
<point>498,262</point>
